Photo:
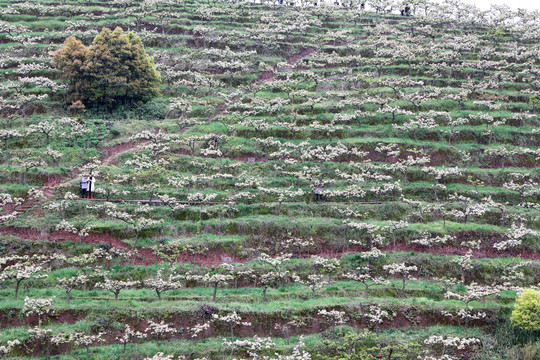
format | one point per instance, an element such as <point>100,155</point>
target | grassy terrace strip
<point>304,181</point>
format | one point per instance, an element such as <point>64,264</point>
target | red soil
<point>145,256</point>
<point>302,54</point>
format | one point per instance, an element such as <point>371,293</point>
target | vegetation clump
<point>114,70</point>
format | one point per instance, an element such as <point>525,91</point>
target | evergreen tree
<point>69,60</point>
<point>114,70</point>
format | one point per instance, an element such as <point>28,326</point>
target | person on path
<point>84,186</point>
<point>91,183</point>
<point>318,192</point>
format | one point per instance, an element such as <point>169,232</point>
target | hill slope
<point>420,133</point>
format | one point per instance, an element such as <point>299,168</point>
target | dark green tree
<point>69,61</point>
<point>115,70</point>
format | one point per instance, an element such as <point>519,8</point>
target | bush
<point>150,111</point>
<point>526,314</point>
<point>114,70</point>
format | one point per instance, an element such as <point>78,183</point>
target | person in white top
<point>318,192</point>
<point>91,185</point>
<point>84,186</point>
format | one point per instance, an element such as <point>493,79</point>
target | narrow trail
<point>265,76</point>
<point>111,153</point>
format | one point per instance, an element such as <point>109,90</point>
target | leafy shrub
<point>526,314</point>
<point>114,70</point>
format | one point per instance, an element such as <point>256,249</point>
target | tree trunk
<point>18,284</point>
<point>48,348</point>
<point>215,292</point>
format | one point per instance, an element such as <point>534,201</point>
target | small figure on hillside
<point>91,183</point>
<point>318,192</point>
<point>84,186</point>
<point>405,9</point>
<point>362,6</point>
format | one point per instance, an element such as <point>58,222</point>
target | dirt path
<point>111,153</point>
<point>302,54</point>
<point>265,76</point>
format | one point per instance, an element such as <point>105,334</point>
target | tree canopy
<point>114,70</point>
<point>526,314</point>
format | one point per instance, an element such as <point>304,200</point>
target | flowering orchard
<point>307,181</point>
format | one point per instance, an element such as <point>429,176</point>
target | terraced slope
<point>421,131</point>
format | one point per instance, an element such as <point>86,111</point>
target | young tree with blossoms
<point>68,284</point>
<point>231,320</point>
<point>86,340</point>
<point>115,286</point>
<point>313,281</point>
<point>136,221</point>
<point>326,266</point>
<point>172,203</point>
<point>80,226</point>
<point>216,279</point>
<point>376,315</point>
<point>464,263</point>
<point>41,334</point>
<point>160,284</point>
<point>402,270</point>
<point>446,347</point>
<point>62,205</point>
<point>10,345</point>
<point>363,276</point>
<point>276,263</point>
<point>334,318</point>
<point>201,200</point>
<point>239,271</point>
<point>394,226</point>
<point>159,330</point>
<point>197,329</point>
<point>39,307</point>
<point>129,335</point>
<point>20,272</point>
<point>473,292</point>
<point>515,236</point>
<point>8,207</point>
